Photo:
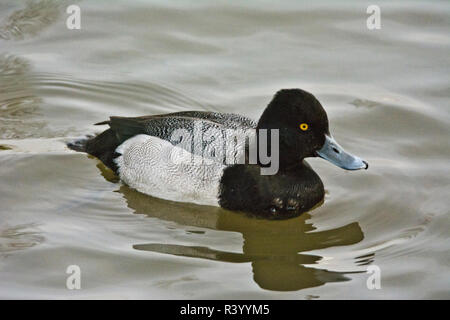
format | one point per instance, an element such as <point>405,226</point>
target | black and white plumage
<point>150,155</point>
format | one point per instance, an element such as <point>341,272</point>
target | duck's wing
<point>193,130</point>
<point>228,120</point>
<point>162,127</point>
<point>159,125</point>
<point>205,134</point>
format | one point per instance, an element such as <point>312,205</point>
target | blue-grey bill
<point>334,153</point>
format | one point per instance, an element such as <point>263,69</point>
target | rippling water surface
<point>386,93</point>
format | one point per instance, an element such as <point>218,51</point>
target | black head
<point>303,131</point>
<point>302,124</point>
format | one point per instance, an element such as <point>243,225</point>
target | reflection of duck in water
<point>272,247</point>
<point>141,150</point>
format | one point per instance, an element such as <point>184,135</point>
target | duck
<point>226,159</point>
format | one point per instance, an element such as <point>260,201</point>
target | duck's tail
<point>79,144</point>
<point>103,146</point>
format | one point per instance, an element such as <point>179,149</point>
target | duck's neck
<point>300,168</point>
<point>285,165</point>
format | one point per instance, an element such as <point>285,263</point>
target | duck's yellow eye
<point>304,126</point>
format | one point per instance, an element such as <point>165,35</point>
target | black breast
<point>286,194</point>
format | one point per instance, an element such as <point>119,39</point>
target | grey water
<point>387,94</point>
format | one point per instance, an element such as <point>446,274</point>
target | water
<point>386,93</point>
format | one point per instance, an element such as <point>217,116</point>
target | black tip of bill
<point>367,164</point>
<point>335,154</point>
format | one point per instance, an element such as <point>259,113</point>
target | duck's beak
<point>334,153</point>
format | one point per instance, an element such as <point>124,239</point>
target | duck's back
<point>163,126</point>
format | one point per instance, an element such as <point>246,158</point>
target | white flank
<point>156,167</point>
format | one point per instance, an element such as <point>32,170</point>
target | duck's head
<point>304,131</point>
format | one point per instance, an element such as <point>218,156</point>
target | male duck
<point>166,156</point>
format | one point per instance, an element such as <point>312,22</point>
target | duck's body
<point>152,155</point>
<point>156,163</point>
